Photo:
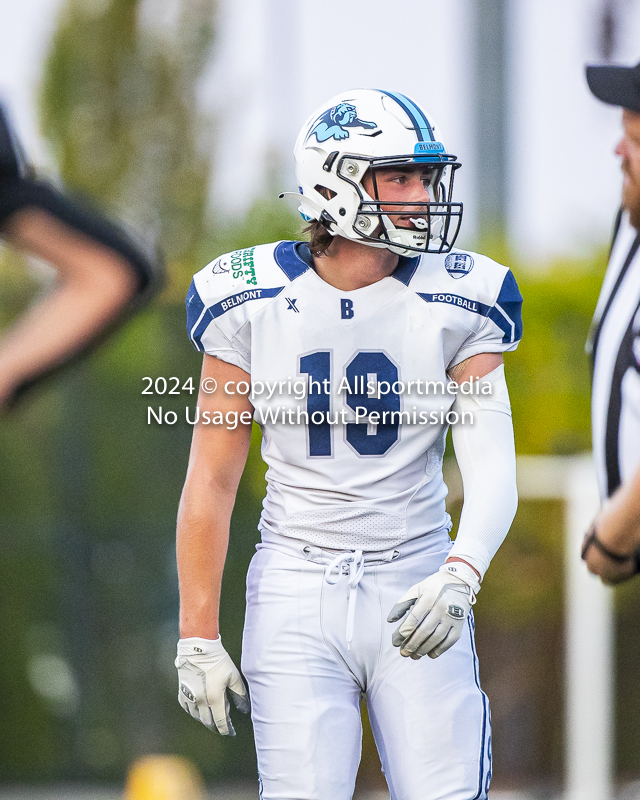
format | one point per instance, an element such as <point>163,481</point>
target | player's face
<point>410,184</point>
<point>629,150</point>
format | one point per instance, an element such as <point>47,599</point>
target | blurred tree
<point>549,375</point>
<point>119,103</point>
<point>119,107</point>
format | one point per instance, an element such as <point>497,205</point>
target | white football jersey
<point>355,463</point>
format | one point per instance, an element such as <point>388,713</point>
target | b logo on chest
<point>346,308</point>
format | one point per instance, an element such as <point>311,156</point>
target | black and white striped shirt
<point>615,349</point>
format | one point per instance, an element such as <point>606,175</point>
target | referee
<point>611,546</point>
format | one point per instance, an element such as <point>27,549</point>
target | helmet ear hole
<point>327,193</point>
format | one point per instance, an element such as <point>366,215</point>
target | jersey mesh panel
<point>357,529</point>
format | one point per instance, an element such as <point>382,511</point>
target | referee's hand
<point>611,565</point>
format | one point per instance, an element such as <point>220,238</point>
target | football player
<point>102,276</point>
<point>379,319</point>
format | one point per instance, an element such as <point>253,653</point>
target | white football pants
<point>430,719</point>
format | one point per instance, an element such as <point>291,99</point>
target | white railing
<point>588,656</point>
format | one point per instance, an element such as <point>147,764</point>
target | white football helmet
<point>368,129</point>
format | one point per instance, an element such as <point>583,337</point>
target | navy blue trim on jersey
<point>194,304</point>
<point>195,309</point>
<point>234,300</point>
<point>199,317</point>
<point>406,269</point>
<point>420,123</point>
<point>510,302</point>
<point>302,249</point>
<point>485,752</point>
<point>291,258</point>
<point>506,313</point>
<point>475,306</point>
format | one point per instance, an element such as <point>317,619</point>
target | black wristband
<point>618,558</point>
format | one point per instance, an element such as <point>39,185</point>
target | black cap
<point>619,86</point>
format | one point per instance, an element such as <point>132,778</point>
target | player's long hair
<point>319,238</point>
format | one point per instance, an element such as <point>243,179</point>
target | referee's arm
<point>617,527</point>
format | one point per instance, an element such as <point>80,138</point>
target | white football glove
<point>205,674</point>
<point>434,611</point>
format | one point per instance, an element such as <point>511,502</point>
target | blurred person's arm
<point>612,554</point>
<point>101,274</point>
<point>207,676</point>
<point>94,284</point>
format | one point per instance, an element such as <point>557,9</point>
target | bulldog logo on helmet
<point>333,122</point>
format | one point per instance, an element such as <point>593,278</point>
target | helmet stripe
<point>420,122</point>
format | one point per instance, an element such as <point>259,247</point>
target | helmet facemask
<point>434,226</point>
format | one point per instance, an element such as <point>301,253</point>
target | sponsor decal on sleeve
<point>221,265</point>
<point>240,263</point>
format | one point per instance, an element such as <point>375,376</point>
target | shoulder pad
<point>236,279</point>
<point>263,266</point>
<point>475,283</point>
<point>460,272</point>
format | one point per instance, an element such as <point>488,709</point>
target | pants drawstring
<point>355,561</point>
